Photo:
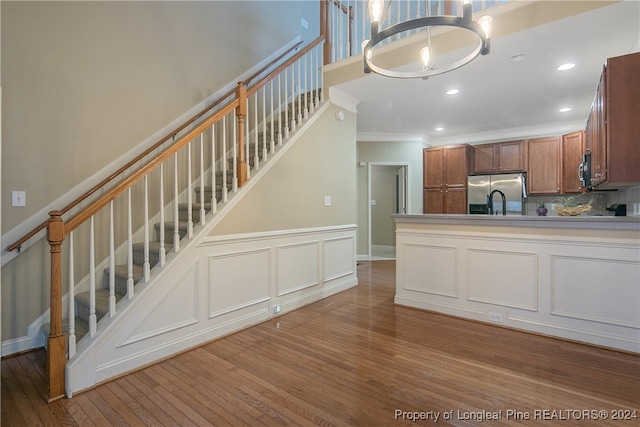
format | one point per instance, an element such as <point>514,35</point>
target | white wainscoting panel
<point>438,276</point>
<point>297,267</point>
<point>597,289</point>
<point>339,257</point>
<point>238,280</point>
<point>503,278</point>
<point>178,308</point>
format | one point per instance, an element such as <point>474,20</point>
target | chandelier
<point>378,12</point>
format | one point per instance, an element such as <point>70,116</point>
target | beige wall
<point>291,195</point>
<point>86,82</point>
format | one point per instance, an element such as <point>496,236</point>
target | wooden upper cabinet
<point>544,166</point>
<point>512,156</point>
<point>456,169</point>
<point>500,157</point>
<point>484,159</point>
<point>613,130</point>
<point>572,148</point>
<point>433,167</point>
<point>445,171</point>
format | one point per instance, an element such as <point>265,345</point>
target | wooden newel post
<point>241,114</point>
<point>324,31</point>
<point>56,357</point>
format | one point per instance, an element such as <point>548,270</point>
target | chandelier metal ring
<point>465,22</point>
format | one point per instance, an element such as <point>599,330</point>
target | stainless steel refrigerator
<point>512,185</point>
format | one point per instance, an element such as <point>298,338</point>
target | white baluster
<point>298,83</point>
<point>279,110</point>
<point>146,266</point>
<point>72,301</point>
<point>264,123</point>
<point>306,87</point>
<point>202,211</point>
<point>130,281</point>
<point>112,263</point>
<point>225,191</point>
<point>247,142</point>
<point>162,253</point>
<point>92,279</point>
<point>256,131</point>
<point>318,71</point>
<point>234,144</point>
<point>286,101</point>
<point>271,140</point>
<point>189,193</point>
<point>322,86</point>
<point>293,97</point>
<point>176,208</point>
<point>214,199</point>
<point>313,82</point>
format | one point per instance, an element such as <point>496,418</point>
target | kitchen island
<point>577,278</point>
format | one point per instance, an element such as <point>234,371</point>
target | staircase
<point>273,131</point>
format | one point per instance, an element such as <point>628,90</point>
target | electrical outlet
<point>276,309</point>
<point>496,317</point>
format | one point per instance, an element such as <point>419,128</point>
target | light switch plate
<point>18,198</point>
<point>327,200</point>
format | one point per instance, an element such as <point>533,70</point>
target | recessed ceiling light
<point>565,67</point>
<point>564,110</point>
<point>518,57</point>
<point>453,92</point>
<point>439,129</point>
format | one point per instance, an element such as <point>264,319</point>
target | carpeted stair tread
<point>102,303</point>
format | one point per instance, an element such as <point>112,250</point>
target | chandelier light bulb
<point>425,57</point>
<point>375,10</point>
<point>486,22</point>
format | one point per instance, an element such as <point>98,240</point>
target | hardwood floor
<point>352,359</point>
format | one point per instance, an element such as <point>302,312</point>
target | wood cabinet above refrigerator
<point>501,157</point>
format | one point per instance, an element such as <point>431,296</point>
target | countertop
<point>601,222</point>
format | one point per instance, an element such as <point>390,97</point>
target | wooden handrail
<point>284,65</point>
<point>270,64</point>
<point>18,243</point>
<point>110,195</point>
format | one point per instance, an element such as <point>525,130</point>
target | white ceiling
<point>500,99</point>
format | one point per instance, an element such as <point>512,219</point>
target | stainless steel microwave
<point>584,171</point>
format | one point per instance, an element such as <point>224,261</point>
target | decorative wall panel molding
<point>508,279</point>
<point>297,266</point>
<point>178,308</point>
<point>439,276</point>
<point>588,278</point>
<point>238,280</point>
<point>339,257</point>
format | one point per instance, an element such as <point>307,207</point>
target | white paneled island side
<point>576,278</point>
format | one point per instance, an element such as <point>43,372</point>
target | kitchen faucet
<point>490,202</point>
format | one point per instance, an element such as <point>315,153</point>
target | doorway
<point>387,195</point>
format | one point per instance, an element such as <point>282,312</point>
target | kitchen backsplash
<point>600,202</point>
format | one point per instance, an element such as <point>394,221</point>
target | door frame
<point>407,192</point>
